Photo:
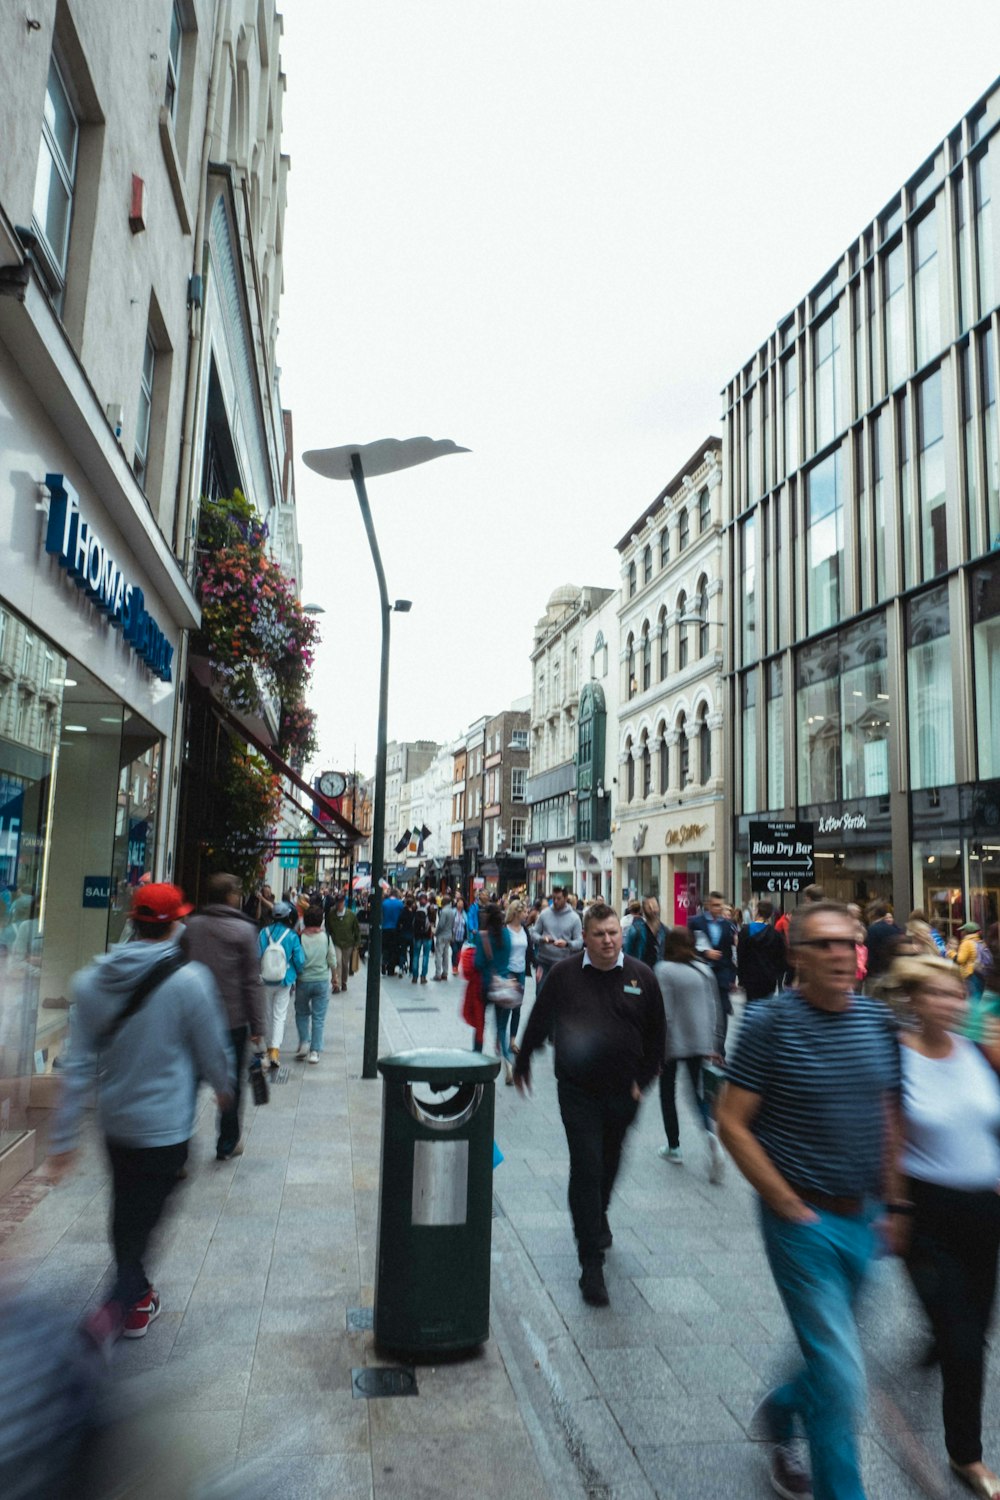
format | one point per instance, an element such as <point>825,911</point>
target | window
<point>863,517</point>
<point>893,273</point>
<point>664,547</point>
<point>647,565</point>
<point>631,579</point>
<point>704,746</point>
<point>929,690</point>
<point>173,62</point>
<point>704,512</point>
<point>864,709</point>
<point>983,211</point>
<point>683,753</point>
<point>775,737</point>
<point>629,772</point>
<point>664,756</point>
<point>985,585</point>
<point>874,353</point>
<point>877,432</point>
<point>701,608</point>
<point>518,777</point>
<point>140,463</point>
<point>682,531</point>
<point>27,655</point>
<point>748,567</point>
<point>599,660</point>
<point>825,542</point>
<point>930,473</point>
<point>647,766</point>
<point>905,492</point>
<point>633,686</point>
<point>968,428</point>
<point>817,712</point>
<point>682,633</point>
<point>858,342</point>
<point>661,630</point>
<point>55,179</point>
<point>518,739</point>
<point>827,380</point>
<point>790,400</point>
<point>748,722</point>
<point>751,453</point>
<point>647,657</point>
<point>765,439</point>
<point>988,400</point>
<point>518,826</point>
<point>926,292</point>
<point>962,254</point>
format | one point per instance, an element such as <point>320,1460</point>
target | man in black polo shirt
<point>812,1087</point>
<point>603,1013</point>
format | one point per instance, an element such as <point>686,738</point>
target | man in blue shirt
<point>812,1087</point>
<point>392,906</point>
<point>715,939</point>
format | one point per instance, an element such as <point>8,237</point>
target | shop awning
<point>351,834</point>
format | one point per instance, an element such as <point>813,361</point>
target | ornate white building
<point>669,827</point>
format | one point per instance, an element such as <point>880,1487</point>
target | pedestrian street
<point>247,1373</point>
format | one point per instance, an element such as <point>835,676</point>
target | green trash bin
<point>435,1218</point>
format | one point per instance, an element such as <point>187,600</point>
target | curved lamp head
<point>384,456</point>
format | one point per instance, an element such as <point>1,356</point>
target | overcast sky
<point>552,230</point>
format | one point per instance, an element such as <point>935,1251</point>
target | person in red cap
<point>146,1027</point>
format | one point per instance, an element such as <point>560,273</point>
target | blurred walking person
<point>145,1028</point>
<point>692,1012</point>
<point>493,951</point>
<point>224,939</point>
<point>345,933</point>
<point>281,962</point>
<point>646,935</point>
<point>443,935</point>
<point>422,929</point>
<point>312,990</point>
<point>556,934</point>
<point>761,956</point>
<point>604,1016</point>
<point>459,932</point>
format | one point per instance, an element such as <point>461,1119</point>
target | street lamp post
<point>353,461</point>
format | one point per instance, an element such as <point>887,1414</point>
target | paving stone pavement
<point>247,1372</point>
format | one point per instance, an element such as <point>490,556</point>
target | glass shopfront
<point>79,791</point>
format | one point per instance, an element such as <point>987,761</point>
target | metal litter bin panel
<point>440,1182</point>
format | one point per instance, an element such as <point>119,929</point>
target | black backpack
<point>421,926</point>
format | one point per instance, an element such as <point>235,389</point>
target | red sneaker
<point>139,1317</point>
<point>105,1325</point>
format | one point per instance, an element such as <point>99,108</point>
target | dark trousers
<point>229,1119</point>
<point>390,950</point>
<point>952,1263</point>
<point>595,1126</point>
<point>142,1179</point>
<point>668,1095</point>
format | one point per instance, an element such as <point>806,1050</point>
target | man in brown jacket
<point>224,939</point>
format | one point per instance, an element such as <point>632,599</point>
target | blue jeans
<point>421,955</point>
<point>311,1001</point>
<point>819,1269</point>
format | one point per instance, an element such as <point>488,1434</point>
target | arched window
<point>661,625</point>
<point>664,767</point>
<point>701,609</point>
<point>664,547</point>
<point>682,632</point>
<point>647,765</point>
<point>704,512</point>
<point>629,772</point>
<point>647,565</point>
<point>647,656</point>
<point>599,660</point>
<point>683,752</point>
<point>633,686</point>
<point>704,747</point>
<point>631,579</point>
<point>682,531</point>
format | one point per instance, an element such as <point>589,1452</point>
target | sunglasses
<point>827,945</point>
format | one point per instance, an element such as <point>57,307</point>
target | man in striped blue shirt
<point>805,1114</point>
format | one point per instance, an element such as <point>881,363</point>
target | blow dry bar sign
<point>782,856</point>
<point>91,566</point>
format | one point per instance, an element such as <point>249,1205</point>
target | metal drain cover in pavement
<point>281,1076</point>
<point>418,1010</point>
<point>360,1318</point>
<point>383,1380</point>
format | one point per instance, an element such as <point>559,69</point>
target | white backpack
<point>274,961</point>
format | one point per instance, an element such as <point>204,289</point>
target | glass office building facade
<point>862,498</point>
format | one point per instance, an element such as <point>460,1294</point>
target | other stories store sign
<point>90,563</point>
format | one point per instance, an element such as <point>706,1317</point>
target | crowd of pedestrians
<point>860,1098</point>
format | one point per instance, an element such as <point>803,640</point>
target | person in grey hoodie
<point>556,934</point>
<point>224,939</point>
<point>692,1010</point>
<point>443,934</point>
<point>146,1066</point>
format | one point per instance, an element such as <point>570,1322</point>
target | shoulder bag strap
<point>157,974</point>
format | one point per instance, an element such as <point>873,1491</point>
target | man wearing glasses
<point>805,1115</point>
